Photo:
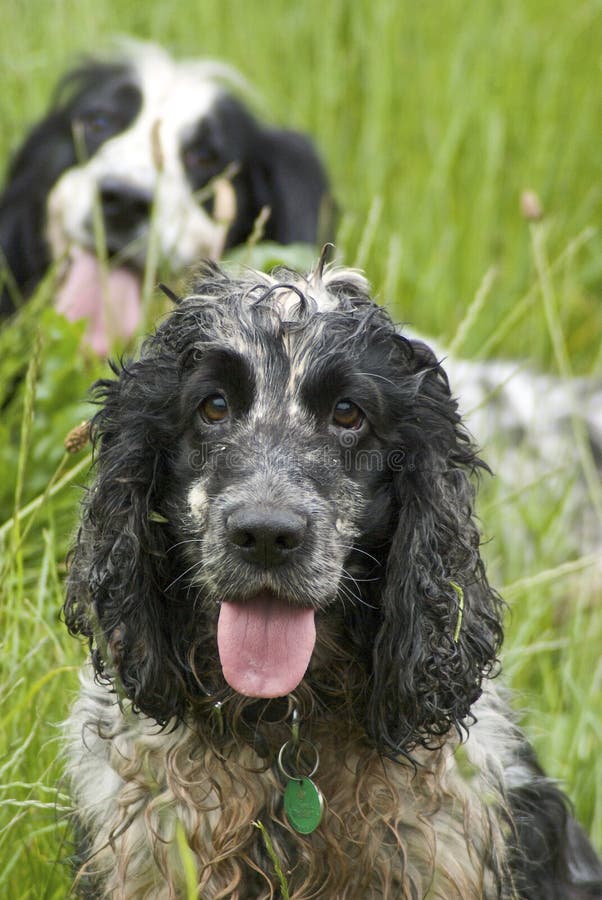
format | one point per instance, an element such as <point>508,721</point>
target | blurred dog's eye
<point>200,157</point>
<point>214,409</point>
<point>347,414</point>
<point>98,125</point>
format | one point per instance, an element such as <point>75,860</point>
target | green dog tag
<point>303,805</point>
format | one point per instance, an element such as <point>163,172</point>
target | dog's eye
<point>199,158</point>
<point>214,409</point>
<point>98,125</point>
<point>347,414</point>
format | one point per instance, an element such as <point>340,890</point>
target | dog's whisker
<point>199,541</point>
<point>357,580</point>
<point>196,565</point>
<point>347,582</point>
<point>354,549</point>
<point>346,594</point>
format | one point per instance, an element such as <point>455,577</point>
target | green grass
<point>432,118</point>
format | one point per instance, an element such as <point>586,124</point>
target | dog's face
<point>150,135</point>
<point>288,416</point>
<point>149,159</point>
<point>282,478</point>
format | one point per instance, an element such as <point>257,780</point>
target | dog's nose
<point>265,535</point>
<point>124,206</point>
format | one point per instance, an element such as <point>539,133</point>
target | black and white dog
<point>279,577</point>
<point>142,151</point>
<point>139,149</point>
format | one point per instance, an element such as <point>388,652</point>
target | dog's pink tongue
<point>265,645</point>
<point>111,303</point>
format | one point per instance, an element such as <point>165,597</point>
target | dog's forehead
<point>293,297</point>
<point>286,326</point>
<point>254,306</point>
<point>288,301</point>
<point>177,94</point>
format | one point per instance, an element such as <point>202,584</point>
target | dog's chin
<point>109,298</point>
<point>265,644</point>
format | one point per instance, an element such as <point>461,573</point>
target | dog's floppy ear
<point>45,153</point>
<point>119,571</point>
<point>441,622</point>
<point>31,175</point>
<point>288,178</point>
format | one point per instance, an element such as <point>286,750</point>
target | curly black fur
<point>408,626</point>
<point>420,680</point>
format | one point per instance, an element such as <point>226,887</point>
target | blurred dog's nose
<point>124,206</point>
<point>265,535</point>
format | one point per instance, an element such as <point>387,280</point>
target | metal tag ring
<point>298,777</point>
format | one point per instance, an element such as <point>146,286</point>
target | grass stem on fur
<point>272,854</point>
<point>188,863</point>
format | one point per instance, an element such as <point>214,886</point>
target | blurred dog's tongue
<point>112,305</point>
<point>265,645</point>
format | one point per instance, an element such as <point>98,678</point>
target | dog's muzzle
<point>265,642</point>
<point>126,212</point>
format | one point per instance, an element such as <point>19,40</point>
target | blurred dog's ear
<point>441,622</point>
<point>288,178</point>
<point>46,152</point>
<point>23,249</point>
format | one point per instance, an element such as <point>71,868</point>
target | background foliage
<point>432,118</point>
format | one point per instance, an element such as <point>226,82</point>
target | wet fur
<point>431,790</point>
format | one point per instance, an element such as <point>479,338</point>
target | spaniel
<point>293,639</point>
<point>140,156</point>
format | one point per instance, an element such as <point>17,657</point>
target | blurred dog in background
<point>140,151</point>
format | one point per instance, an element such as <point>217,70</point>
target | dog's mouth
<point>265,645</point>
<point>110,300</point>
